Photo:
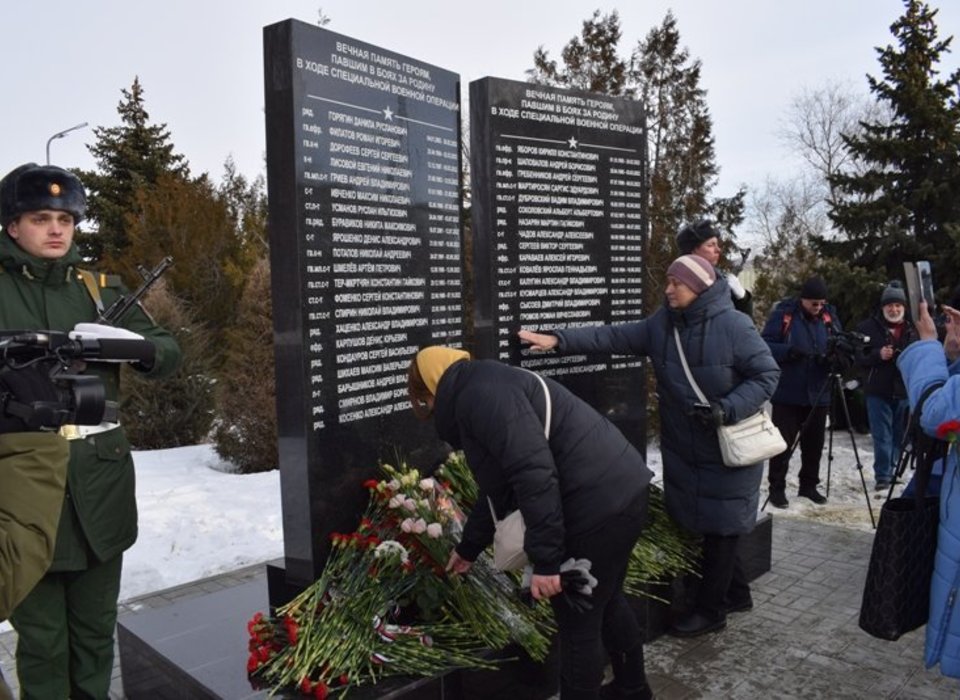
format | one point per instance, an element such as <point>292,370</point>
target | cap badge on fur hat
<point>54,189</point>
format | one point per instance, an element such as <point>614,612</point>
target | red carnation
<point>371,484</point>
<point>306,687</point>
<point>253,663</point>
<point>320,691</point>
<point>948,430</point>
<point>292,629</point>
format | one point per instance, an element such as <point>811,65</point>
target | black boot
<point>612,691</point>
<point>629,677</point>
<point>813,494</point>
<point>697,623</point>
<point>778,498</point>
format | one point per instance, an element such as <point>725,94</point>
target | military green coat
<point>99,515</point>
<point>33,471</point>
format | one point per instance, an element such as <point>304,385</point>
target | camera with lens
<point>843,347</point>
<point>40,387</point>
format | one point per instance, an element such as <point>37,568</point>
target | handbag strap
<point>548,413</point>
<point>549,406</point>
<point>686,367</point>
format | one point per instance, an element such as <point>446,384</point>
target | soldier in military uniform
<point>66,624</point>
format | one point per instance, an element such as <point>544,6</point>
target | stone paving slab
<point>801,640</point>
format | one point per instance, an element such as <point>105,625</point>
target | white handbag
<point>508,554</point>
<point>742,444</point>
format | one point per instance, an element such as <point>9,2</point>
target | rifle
<point>125,302</point>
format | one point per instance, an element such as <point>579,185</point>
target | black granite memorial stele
<point>559,224</point>
<point>363,174</point>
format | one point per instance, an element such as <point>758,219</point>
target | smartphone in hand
<point>919,286</point>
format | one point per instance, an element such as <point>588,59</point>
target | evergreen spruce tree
<point>905,204</point>
<point>590,61</point>
<point>128,157</point>
<point>681,158</point>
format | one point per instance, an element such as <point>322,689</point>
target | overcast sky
<point>200,62</point>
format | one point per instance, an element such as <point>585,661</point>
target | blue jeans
<point>888,419</point>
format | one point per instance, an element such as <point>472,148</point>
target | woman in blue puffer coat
<point>922,364</point>
<point>735,370</point>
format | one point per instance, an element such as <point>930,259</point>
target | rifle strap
<point>90,282</point>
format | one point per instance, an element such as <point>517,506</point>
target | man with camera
<point>886,396</point>
<point>799,332</point>
<point>66,624</point>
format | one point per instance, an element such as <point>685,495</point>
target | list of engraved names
<point>568,218</point>
<point>379,159</point>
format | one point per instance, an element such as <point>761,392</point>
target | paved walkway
<point>801,640</point>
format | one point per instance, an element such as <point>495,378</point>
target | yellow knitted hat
<point>434,361</point>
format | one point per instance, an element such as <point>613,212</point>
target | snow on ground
<point>197,519</point>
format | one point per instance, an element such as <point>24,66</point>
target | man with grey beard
<point>886,397</point>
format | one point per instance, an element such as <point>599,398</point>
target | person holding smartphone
<point>926,364</point>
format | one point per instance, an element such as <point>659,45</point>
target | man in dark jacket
<point>582,492</point>
<point>66,624</point>
<point>887,404</point>
<point>797,332</point>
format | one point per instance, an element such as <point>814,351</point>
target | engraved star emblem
<point>573,142</point>
<point>388,114</point>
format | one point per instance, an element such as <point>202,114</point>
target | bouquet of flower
<point>663,552</point>
<point>384,604</point>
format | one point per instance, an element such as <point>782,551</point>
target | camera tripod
<point>834,385</point>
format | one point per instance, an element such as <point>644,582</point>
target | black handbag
<point>896,593</point>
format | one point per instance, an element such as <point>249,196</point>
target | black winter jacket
<point>587,473</point>
<point>733,367</point>
<point>881,377</point>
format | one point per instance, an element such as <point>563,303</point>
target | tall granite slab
<point>363,174</point>
<point>559,223</point>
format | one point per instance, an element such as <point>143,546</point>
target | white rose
<point>419,526</point>
<point>434,530</point>
<point>427,484</point>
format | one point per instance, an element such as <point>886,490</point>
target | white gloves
<point>738,291</point>
<point>97,331</point>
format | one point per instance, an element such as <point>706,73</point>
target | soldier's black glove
<point>21,389</point>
